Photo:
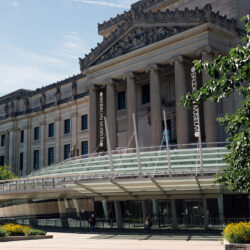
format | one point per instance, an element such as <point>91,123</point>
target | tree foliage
<point>228,74</point>
<point>6,173</point>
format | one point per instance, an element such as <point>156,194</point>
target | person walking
<point>92,222</point>
<point>148,224</point>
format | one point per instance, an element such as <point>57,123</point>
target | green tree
<point>6,173</point>
<point>228,74</point>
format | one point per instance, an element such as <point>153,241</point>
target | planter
<point>30,237</point>
<point>236,246</point>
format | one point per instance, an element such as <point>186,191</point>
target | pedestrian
<point>148,224</point>
<point>92,221</point>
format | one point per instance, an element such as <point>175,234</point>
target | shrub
<point>3,232</point>
<point>36,232</point>
<point>16,230</point>
<point>237,232</point>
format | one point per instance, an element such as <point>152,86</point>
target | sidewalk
<point>72,241</point>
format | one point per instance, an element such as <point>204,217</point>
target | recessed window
<point>67,126</point>
<point>66,151</point>
<point>85,150</point>
<point>50,156</point>
<point>21,136</point>
<point>1,160</point>
<point>36,159</point>
<point>145,93</point>
<point>84,122</point>
<point>51,130</point>
<point>3,140</point>
<point>121,100</point>
<point>36,133</point>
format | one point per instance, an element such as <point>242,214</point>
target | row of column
<point>182,114</point>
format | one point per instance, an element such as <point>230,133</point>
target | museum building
<point>141,69</point>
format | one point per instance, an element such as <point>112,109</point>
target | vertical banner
<point>100,125</point>
<point>196,114</point>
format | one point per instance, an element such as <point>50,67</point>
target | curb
<point>31,237</point>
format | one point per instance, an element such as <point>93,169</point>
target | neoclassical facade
<point>142,66</point>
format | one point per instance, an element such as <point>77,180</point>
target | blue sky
<point>41,40</point>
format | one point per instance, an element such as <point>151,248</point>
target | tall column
<point>144,210</point>
<point>74,126</point>
<point>118,214</point>
<point>6,150</point>
<point>42,143</point>
<point>62,212</point>
<point>204,203</point>
<point>25,151</point>
<point>111,113</point>
<point>57,138</point>
<point>155,104</point>
<point>92,119</point>
<point>11,148</point>
<point>173,212</point>
<point>76,205</point>
<point>155,211</point>
<point>27,142</point>
<point>105,209</point>
<point>221,209</point>
<point>131,107</point>
<point>211,129</point>
<point>181,112</point>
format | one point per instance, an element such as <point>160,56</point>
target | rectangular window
<point>51,130</point>
<point>50,156</point>
<point>84,122</point>
<point>2,160</point>
<point>67,126</point>
<point>66,151</point>
<point>21,162</point>
<point>36,159</point>
<point>145,93</point>
<point>121,100</point>
<point>3,137</point>
<point>36,133</point>
<point>85,150</point>
<point>21,136</point>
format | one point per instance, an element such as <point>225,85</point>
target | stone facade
<point>143,65</point>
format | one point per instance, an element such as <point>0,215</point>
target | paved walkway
<point>73,241</point>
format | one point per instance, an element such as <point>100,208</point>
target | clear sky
<point>41,40</point>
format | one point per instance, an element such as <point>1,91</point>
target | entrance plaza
<point>68,241</point>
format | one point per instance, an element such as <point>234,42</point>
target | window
<point>21,136</point>
<point>50,156</point>
<point>67,126</point>
<point>21,163</point>
<point>36,133</point>
<point>66,151</point>
<point>85,150</point>
<point>51,130</point>
<point>121,100</point>
<point>145,93</point>
<point>3,137</point>
<point>84,122</point>
<point>1,160</point>
<point>36,159</point>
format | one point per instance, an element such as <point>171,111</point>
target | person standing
<point>92,222</point>
<point>148,224</point>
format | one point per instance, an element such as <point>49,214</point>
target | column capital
<point>58,118</point>
<point>206,50</point>
<point>178,59</point>
<point>130,75</point>
<point>74,114</point>
<point>42,123</point>
<point>91,87</point>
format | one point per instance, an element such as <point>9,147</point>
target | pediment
<point>141,29</point>
<point>134,39</point>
